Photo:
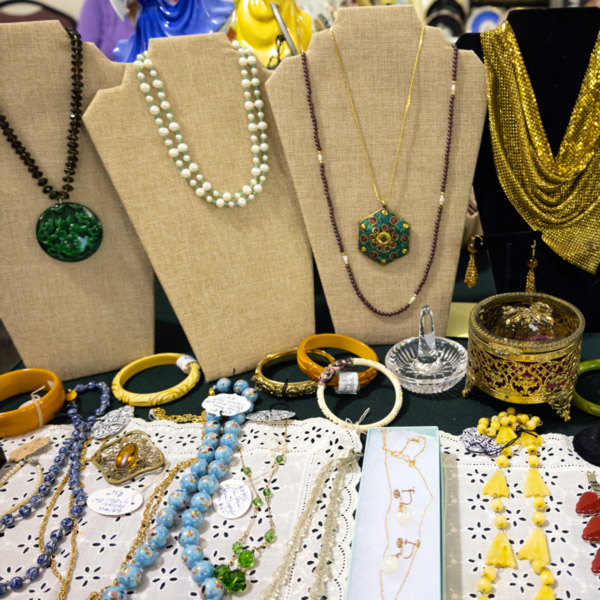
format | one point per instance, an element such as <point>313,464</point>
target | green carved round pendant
<point>69,232</point>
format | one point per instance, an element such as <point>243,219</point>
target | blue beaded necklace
<point>192,500</point>
<point>71,450</point>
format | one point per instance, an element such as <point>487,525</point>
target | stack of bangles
<point>36,412</point>
<point>187,364</point>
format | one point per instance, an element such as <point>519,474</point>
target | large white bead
<point>258,188</point>
<point>182,147</point>
<point>174,126</point>
<point>207,185</point>
<point>193,167</point>
<point>255,81</point>
<point>165,105</point>
<point>141,76</point>
<point>241,202</point>
<point>157,83</point>
<point>145,87</point>
<point>220,202</point>
<point>186,173</point>
<point>154,109</point>
<point>243,61</point>
<point>264,147</point>
<point>262,125</point>
<point>251,59</point>
<point>227,196</point>
<point>235,44</point>
<point>246,190</point>
<point>147,62</point>
<point>200,192</point>
<point>255,171</point>
<point>245,83</point>
<point>390,564</point>
<point>248,105</point>
<point>403,516</point>
<point>259,103</point>
<point>255,149</point>
<point>163,131</point>
<point>251,126</point>
<point>173,152</point>
<point>264,168</point>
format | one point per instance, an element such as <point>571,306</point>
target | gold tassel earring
<point>471,272</point>
<point>532,263</point>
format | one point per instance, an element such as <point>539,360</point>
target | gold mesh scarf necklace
<point>560,196</point>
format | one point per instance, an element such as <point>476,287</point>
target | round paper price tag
<point>114,502</point>
<point>232,499</point>
<point>226,404</point>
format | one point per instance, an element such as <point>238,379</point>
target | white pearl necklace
<point>178,150</point>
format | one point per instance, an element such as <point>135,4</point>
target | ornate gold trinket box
<point>525,348</point>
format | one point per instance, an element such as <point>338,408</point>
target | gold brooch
<point>129,455</point>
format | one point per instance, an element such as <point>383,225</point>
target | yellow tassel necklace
<point>509,428</point>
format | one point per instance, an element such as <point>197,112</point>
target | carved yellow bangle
<point>293,389</point>
<point>37,411</point>
<point>186,363</point>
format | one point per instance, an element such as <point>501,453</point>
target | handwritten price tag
<point>232,499</point>
<point>226,404</point>
<point>28,449</point>
<point>115,501</point>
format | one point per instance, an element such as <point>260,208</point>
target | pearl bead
<point>241,202</point>
<point>186,173</point>
<point>254,139</point>
<point>251,116</point>
<point>168,142</point>
<point>255,149</point>
<point>264,168</point>
<point>248,105</point>
<point>158,121</point>
<point>257,92</point>
<point>250,197</point>
<point>163,131</point>
<point>261,115</point>
<point>235,44</point>
<point>259,103</point>
<point>264,147</point>
<point>262,125</point>
<point>147,62</point>
<point>258,188</point>
<point>255,81</point>
<point>182,147</point>
<point>178,137</point>
<point>227,196</point>
<point>208,198</point>
<point>161,95</point>
<point>179,163</point>
<point>200,192</point>
<point>403,517</point>
<point>174,126</point>
<point>254,71</point>
<point>247,94</point>
<point>141,76</point>
<point>262,178</point>
<point>244,72</point>
<point>193,182</point>
<point>245,83</point>
<point>231,204</point>
<point>187,158</point>
<point>193,167</point>
<point>252,127</point>
<point>247,190</point>
<point>154,109</point>
<point>220,202</point>
<point>173,152</point>
<point>390,564</point>
<point>256,160</point>
<point>206,185</point>
<point>145,87</point>
<point>251,59</point>
<point>165,105</point>
<point>243,61</point>
<point>255,171</point>
<point>157,83</point>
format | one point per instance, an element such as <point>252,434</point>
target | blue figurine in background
<point>165,18</point>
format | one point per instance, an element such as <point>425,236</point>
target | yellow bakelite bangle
<point>186,363</point>
<point>36,412</point>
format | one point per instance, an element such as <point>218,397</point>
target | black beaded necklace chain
<point>66,231</point>
<point>436,227</point>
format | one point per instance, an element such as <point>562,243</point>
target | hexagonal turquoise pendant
<point>383,236</point>
<point>69,232</point>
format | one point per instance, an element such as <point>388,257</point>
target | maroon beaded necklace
<point>436,227</point>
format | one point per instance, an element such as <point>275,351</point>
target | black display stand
<point>556,45</point>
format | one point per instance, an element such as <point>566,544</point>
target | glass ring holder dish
<point>525,348</point>
<point>427,364</point>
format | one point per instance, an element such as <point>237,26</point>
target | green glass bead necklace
<point>231,575</point>
<point>66,231</point>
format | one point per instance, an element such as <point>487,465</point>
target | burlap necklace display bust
<point>239,279</point>
<point>78,318</point>
<point>378,46</point>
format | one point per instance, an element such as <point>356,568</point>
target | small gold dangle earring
<point>471,272</point>
<point>403,515</point>
<point>401,544</point>
<point>532,263</point>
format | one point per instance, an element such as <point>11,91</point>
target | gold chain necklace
<point>383,236</point>
<point>560,196</point>
<point>400,543</point>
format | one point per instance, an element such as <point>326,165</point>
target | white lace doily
<point>469,528</point>
<point>103,541</point>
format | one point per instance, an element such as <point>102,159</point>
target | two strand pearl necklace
<point>169,130</point>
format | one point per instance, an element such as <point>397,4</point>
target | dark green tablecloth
<point>449,411</point>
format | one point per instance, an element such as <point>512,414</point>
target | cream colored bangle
<point>186,363</point>
<point>332,371</point>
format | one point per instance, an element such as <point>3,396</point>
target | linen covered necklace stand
<point>378,45</point>
<point>57,313</point>
<point>217,265</point>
